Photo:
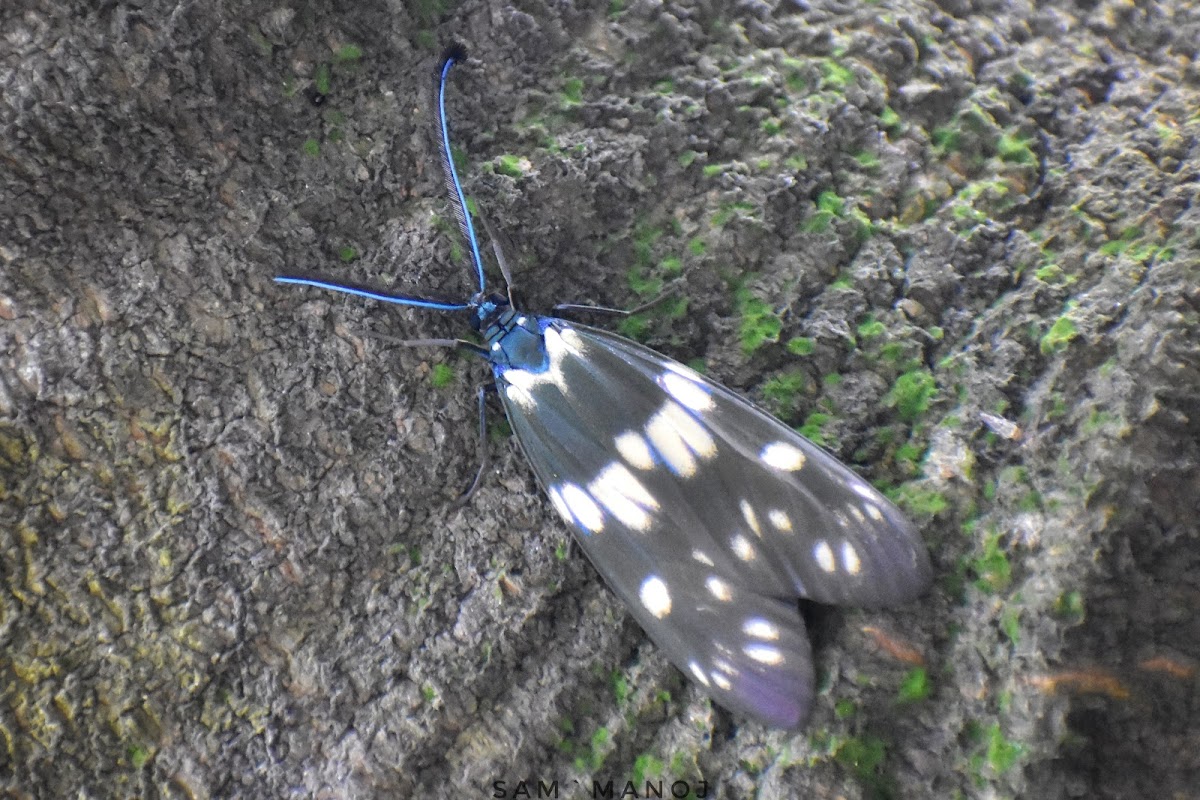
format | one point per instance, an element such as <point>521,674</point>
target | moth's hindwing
<point>706,515</point>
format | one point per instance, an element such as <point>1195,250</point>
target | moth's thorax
<point>515,340</point>
<point>531,359</point>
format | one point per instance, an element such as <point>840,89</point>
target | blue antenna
<point>372,294</point>
<point>452,55</point>
<point>458,202</point>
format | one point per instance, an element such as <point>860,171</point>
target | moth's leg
<point>574,308</point>
<point>457,344</point>
<point>509,286</point>
<point>481,394</point>
<point>474,349</point>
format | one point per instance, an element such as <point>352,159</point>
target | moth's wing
<point>669,482</point>
<point>823,530</point>
<point>748,650</point>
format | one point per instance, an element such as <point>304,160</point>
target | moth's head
<point>486,309</point>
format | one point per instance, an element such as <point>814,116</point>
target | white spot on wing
<point>744,550</point>
<point>633,448</point>
<point>687,372</point>
<point>764,654</point>
<point>873,512</point>
<point>702,557</point>
<point>691,394</point>
<point>823,553</point>
<point>750,517</point>
<point>583,508</point>
<point>691,430</point>
<point>630,486</point>
<point>782,456</point>
<point>780,519</point>
<point>719,588</point>
<point>524,379</point>
<point>624,496</point>
<point>721,672</point>
<point>670,446</point>
<point>655,597</point>
<point>562,342</point>
<point>620,507</point>
<point>721,665</point>
<point>520,385</point>
<point>572,341</point>
<point>850,559</point>
<point>760,628</point>
<point>560,505</point>
<point>697,672</point>
<point>863,490</point>
<point>517,394</point>
<point>679,438</point>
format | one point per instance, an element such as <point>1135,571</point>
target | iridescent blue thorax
<point>514,339</point>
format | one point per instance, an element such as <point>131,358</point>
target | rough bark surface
<point>957,240</point>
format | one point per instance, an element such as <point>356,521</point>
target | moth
<point>707,516</point>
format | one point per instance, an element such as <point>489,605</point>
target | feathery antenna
<point>452,55</point>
